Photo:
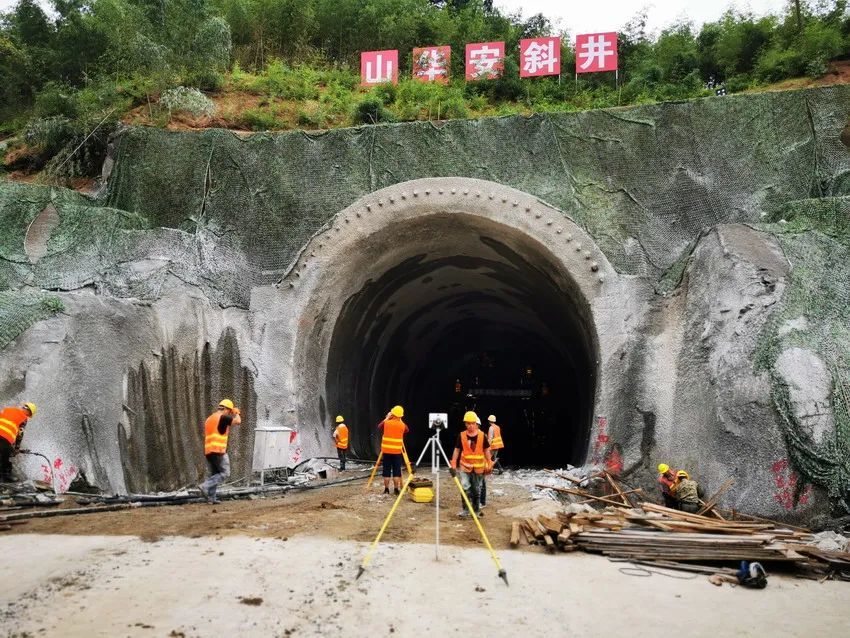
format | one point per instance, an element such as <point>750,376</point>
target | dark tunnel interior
<point>471,315</point>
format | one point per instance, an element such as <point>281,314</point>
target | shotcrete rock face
<point>457,313</point>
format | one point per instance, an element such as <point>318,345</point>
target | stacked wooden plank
<point>656,535</point>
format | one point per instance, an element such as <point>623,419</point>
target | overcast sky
<point>595,16</point>
<point>590,16</point>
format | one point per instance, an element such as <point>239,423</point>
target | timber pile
<point>651,534</point>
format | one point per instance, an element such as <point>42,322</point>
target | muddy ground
<point>341,512</point>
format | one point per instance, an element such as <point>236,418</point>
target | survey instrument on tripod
<point>437,423</point>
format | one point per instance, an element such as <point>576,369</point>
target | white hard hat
<point>492,418</point>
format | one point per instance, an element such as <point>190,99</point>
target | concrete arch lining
<point>423,222</point>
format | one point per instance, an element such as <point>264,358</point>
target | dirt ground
<point>306,587</point>
<point>287,566</point>
<point>341,512</point>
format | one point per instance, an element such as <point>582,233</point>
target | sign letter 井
<point>539,56</point>
<point>431,64</point>
<point>377,67</point>
<point>596,52</point>
<point>485,60</point>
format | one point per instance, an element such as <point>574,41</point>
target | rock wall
<point>720,225</point>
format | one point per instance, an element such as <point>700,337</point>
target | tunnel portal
<point>459,312</point>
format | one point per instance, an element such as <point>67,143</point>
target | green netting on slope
<point>819,291</point>
<point>644,181</point>
<point>80,246</point>
<point>829,215</point>
<point>21,309</point>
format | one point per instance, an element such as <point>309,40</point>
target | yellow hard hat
<point>663,467</point>
<point>492,418</point>
<point>226,403</point>
<point>339,419</point>
<point>30,407</point>
<point>682,474</point>
<point>397,411</point>
<point>470,417</point>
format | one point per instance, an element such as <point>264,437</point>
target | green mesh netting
<point>643,181</point>
<point>21,309</point>
<point>814,236</point>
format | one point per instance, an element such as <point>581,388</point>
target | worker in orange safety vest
<point>667,480</point>
<point>13,420</point>
<point>341,439</point>
<point>494,436</point>
<point>216,433</point>
<point>471,457</point>
<point>392,445</point>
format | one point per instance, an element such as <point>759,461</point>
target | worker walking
<point>13,420</point>
<point>471,457</point>
<point>687,493</point>
<point>494,436</point>
<point>667,480</point>
<point>341,438</point>
<point>216,432</point>
<point>392,445</point>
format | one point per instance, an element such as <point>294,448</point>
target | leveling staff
<point>473,451</point>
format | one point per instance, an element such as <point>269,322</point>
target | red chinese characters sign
<point>485,60</point>
<point>596,52</point>
<point>431,64</point>
<point>377,67</point>
<point>539,56</point>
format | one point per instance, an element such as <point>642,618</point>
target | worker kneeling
<point>687,493</point>
<point>472,449</point>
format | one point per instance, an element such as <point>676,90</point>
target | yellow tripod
<point>434,445</point>
<point>378,462</point>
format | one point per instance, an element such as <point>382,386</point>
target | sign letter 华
<point>431,64</point>
<point>377,67</point>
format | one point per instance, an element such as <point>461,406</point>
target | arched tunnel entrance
<point>461,312</point>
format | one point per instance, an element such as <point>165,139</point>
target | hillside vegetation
<point>68,79</point>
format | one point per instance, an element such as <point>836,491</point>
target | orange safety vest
<point>11,420</point>
<point>393,440</point>
<point>496,442</point>
<point>668,486</point>
<point>214,443</point>
<point>342,439</point>
<point>472,461</point>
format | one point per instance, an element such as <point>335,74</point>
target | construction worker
<point>472,453</point>
<point>687,493</point>
<point>341,438</point>
<point>392,444</point>
<point>494,434</point>
<point>216,432</point>
<point>13,420</point>
<point>667,479</point>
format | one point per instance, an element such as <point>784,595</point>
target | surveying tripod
<point>378,462</point>
<point>436,452</point>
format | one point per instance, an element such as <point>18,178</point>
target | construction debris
<point>649,534</point>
